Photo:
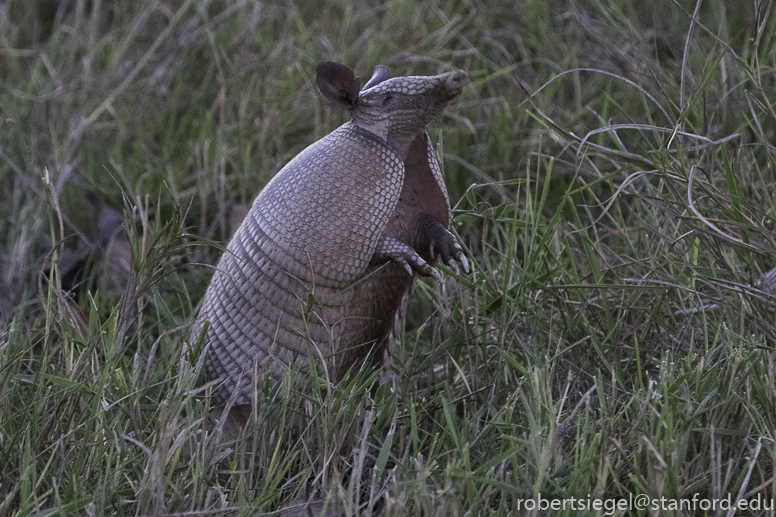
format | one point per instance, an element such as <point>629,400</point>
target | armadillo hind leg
<point>376,301</point>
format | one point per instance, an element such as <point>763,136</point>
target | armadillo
<point>334,241</point>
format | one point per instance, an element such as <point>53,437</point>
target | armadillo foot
<point>446,245</point>
<point>404,255</point>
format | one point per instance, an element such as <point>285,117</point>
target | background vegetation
<point>612,167</point>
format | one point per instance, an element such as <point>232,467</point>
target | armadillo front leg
<point>390,249</point>
<point>433,239</point>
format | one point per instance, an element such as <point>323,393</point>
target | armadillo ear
<point>338,83</point>
<point>380,74</point>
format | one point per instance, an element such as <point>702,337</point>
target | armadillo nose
<point>456,80</point>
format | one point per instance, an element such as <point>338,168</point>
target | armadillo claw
<point>464,262</point>
<point>418,264</point>
<point>446,245</point>
<point>405,256</point>
<point>458,257</point>
<point>403,263</point>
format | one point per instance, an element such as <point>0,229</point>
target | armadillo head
<point>396,109</point>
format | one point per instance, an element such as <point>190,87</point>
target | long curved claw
<point>448,248</point>
<point>459,256</point>
<point>422,267</point>
<point>403,263</point>
<point>405,256</point>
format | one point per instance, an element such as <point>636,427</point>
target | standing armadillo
<point>324,257</point>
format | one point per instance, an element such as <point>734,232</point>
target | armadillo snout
<point>455,81</point>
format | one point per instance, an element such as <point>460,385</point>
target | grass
<point>612,170</point>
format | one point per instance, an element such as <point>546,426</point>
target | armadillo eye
<point>387,100</point>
